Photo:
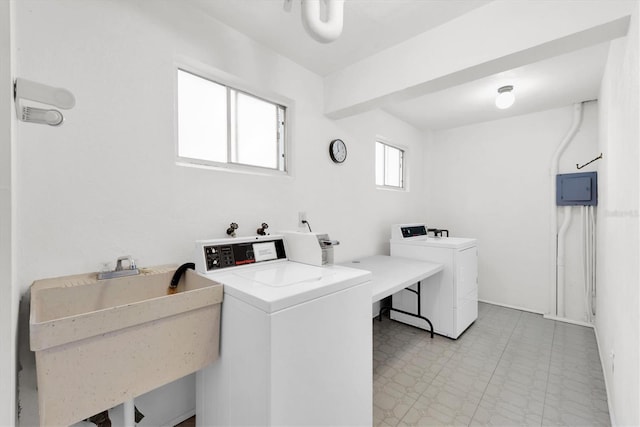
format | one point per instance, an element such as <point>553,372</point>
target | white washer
<point>450,299</point>
<point>296,340</point>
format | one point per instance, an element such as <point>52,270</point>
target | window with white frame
<point>389,165</point>
<point>219,125</point>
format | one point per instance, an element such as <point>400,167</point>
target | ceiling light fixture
<point>505,98</point>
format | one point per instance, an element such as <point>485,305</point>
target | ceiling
<point>551,83</point>
<point>371,26</point>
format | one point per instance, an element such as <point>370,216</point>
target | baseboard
<point>181,418</point>
<point>612,417</point>
<point>510,306</point>
<point>546,316</point>
<point>565,320</point>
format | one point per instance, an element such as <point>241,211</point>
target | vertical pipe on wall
<point>584,226</point>
<point>566,221</point>
<point>592,257</point>
<point>591,266</point>
<point>553,241</point>
<point>589,262</point>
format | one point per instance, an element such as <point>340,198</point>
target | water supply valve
<point>231,231</point>
<point>261,231</point>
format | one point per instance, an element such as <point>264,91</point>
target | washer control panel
<point>412,231</point>
<point>213,255</point>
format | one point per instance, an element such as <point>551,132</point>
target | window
<point>389,165</point>
<point>221,126</point>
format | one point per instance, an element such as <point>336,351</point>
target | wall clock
<point>338,151</point>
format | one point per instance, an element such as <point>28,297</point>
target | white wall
<point>618,276</point>
<point>105,183</point>
<point>491,181</point>
<point>9,300</point>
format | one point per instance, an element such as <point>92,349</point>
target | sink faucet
<point>132,270</point>
<point>132,263</point>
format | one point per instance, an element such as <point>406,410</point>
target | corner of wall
<point>9,303</point>
<point>618,235</point>
<point>606,382</point>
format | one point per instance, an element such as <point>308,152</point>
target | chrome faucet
<point>132,263</point>
<point>132,270</point>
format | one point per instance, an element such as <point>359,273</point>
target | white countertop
<point>392,274</point>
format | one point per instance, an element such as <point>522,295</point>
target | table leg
<point>419,315</point>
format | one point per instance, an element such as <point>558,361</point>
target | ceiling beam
<point>500,36</point>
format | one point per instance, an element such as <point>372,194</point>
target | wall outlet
<point>302,216</point>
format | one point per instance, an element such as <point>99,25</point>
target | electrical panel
<point>577,189</point>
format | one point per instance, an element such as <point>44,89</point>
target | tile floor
<point>510,368</point>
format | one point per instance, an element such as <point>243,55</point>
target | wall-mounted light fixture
<point>505,98</point>
<point>24,89</point>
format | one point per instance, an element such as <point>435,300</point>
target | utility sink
<point>99,343</point>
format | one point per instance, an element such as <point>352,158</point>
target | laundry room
<point>374,130</point>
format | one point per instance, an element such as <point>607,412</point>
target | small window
<point>389,166</point>
<point>221,126</point>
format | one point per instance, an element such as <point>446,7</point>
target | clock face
<point>338,151</point>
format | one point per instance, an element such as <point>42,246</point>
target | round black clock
<point>338,151</point>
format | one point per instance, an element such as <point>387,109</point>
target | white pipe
<point>566,220</point>
<point>323,31</point>
<point>129,413</point>
<point>592,225</point>
<point>584,225</point>
<point>553,240</point>
<point>592,264</point>
<point>589,264</point>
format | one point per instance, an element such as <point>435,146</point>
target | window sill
<point>231,168</point>
<point>389,188</point>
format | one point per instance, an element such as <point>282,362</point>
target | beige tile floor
<point>510,368</point>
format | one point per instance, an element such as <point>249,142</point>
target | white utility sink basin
<point>99,343</point>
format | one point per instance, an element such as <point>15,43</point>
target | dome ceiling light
<point>505,98</point>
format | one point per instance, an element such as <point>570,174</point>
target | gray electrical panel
<point>577,189</point>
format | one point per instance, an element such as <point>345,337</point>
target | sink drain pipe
<point>132,415</point>
<point>129,413</point>
<point>557,273</point>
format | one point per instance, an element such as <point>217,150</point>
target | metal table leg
<point>419,315</point>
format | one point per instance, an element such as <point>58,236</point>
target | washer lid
<point>276,286</point>
<point>275,276</point>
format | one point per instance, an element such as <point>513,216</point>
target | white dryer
<point>296,339</point>
<point>450,299</point>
